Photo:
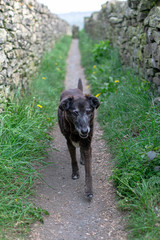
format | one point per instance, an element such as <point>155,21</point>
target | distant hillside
<point>75,18</point>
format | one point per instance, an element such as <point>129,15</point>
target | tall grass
<point>131,123</point>
<point>24,138</point>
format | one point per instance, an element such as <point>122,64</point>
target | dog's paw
<point>89,197</point>
<point>82,162</point>
<point>75,176</point>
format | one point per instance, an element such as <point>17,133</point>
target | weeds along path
<point>71,215</point>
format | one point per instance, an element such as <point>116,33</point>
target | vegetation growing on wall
<point>133,27</point>
<point>23,129</point>
<point>130,120</point>
<point>27,30</point>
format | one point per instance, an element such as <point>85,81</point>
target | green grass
<point>131,123</point>
<point>24,139</point>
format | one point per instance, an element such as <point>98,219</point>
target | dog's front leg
<point>75,169</point>
<point>87,153</point>
<point>82,157</point>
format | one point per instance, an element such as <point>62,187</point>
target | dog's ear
<point>94,102</point>
<point>65,104</point>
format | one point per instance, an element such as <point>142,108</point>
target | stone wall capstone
<point>134,27</point>
<point>27,29</point>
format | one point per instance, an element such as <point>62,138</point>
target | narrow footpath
<point>72,217</point>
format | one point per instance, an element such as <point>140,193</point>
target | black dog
<point>75,117</point>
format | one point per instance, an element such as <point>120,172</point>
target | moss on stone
<point>143,38</point>
<point>140,55</point>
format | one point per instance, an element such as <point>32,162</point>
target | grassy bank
<point>23,128</point>
<point>131,123</point>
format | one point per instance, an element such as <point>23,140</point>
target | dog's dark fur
<point>75,116</point>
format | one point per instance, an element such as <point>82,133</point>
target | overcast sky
<point>66,6</point>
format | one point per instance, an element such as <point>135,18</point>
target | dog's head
<point>80,112</point>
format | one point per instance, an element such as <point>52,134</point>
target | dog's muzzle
<point>84,132</point>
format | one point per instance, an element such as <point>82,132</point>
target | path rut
<point>71,215</point>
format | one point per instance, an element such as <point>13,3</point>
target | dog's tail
<point>80,86</point>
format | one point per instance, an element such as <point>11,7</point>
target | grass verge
<point>24,139</point>
<point>131,123</point>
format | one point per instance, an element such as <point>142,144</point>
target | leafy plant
<point>101,50</point>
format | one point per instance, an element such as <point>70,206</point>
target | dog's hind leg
<point>82,157</point>
<point>75,169</point>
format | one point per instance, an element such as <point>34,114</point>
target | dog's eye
<point>75,113</point>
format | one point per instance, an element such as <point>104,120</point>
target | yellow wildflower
<point>94,72</point>
<point>94,66</point>
<point>40,106</point>
<point>58,69</point>
<point>88,86</point>
<point>43,78</point>
<point>98,94</point>
<point>116,81</point>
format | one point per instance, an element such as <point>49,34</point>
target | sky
<point>66,6</point>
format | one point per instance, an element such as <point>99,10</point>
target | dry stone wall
<point>27,29</point>
<point>133,26</point>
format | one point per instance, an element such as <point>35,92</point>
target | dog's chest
<point>75,139</point>
<point>75,144</point>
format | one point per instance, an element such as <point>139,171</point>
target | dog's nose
<point>84,131</point>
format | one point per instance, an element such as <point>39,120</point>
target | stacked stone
<point>27,29</point>
<point>133,26</point>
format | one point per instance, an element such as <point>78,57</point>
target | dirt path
<point>71,215</point>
